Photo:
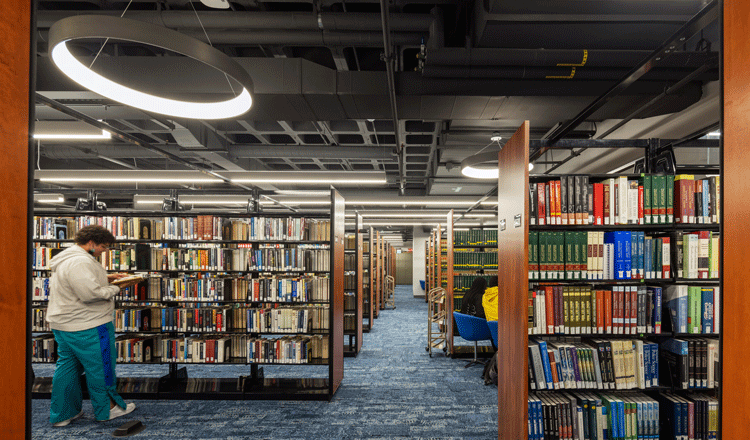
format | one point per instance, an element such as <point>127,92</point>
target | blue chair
<point>493,331</point>
<point>474,329</point>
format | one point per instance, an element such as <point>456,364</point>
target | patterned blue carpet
<point>391,390</point>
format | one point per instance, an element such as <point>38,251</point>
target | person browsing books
<point>489,300</point>
<point>80,314</point>
<point>472,302</point>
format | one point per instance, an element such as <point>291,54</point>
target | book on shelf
<point>622,200</point>
<point>594,364</point>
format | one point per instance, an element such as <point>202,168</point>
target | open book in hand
<point>132,279</point>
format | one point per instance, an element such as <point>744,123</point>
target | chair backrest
<point>492,325</point>
<point>472,328</point>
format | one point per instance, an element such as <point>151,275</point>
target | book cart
<point>588,322</point>
<point>353,291</point>
<point>227,298</point>
<point>436,321</point>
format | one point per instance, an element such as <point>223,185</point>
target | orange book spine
<point>608,311</point>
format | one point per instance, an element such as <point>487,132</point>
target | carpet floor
<point>391,390</point>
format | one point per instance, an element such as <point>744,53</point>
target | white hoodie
<point>80,297</point>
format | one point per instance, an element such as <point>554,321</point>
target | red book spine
<point>553,200</point>
<point>625,307</point>
<point>540,203</point>
<point>608,311</point>
<point>678,202</point>
<point>640,204</point>
<point>558,208</point>
<point>605,203</point>
<point>549,308</point>
<point>598,204</point>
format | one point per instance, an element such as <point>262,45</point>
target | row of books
<point>593,416</point>
<point>350,281</point>
<point>350,262</point>
<point>597,364</point>
<point>623,200</point>
<point>598,255</point>
<point>43,348</point>
<point>691,363</point>
<point>223,319</point>
<point>475,237</point>
<point>200,227</point>
<point>697,201</point>
<point>287,350</point>
<point>462,283</point>
<point>240,259</point>
<point>617,310</point>
<point>593,255</point>
<point>468,261</point>
<point>268,288</point>
<point>597,416</point>
<point>694,309</point>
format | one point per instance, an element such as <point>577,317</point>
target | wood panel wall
<point>513,286</point>
<point>735,210</point>
<point>15,398</point>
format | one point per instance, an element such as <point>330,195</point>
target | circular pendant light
<point>483,166</point>
<point>99,26</point>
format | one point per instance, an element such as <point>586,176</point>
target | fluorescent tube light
<point>105,135</point>
<point>294,192</point>
<point>48,198</point>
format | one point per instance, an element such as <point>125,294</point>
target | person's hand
<point>115,276</point>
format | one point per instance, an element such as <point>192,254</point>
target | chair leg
<point>476,360</point>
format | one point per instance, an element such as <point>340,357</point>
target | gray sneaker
<point>67,422</point>
<point>119,412</point>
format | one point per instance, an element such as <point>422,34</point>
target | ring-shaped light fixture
<point>483,166</point>
<point>100,26</point>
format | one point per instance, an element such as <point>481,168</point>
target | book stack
<point>599,255</point>
<point>593,416</point>
<point>616,364</point>
<point>693,309</point>
<point>580,310</point>
<point>623,200</point>
<point>690,363</point>
<point>697,201</point>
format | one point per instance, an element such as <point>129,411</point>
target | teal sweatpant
<point>91,351</point>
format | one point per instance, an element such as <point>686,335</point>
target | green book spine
<point>669,191</point>
<point>646,178</point>
<point>662,180</point>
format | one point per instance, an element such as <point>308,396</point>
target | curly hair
<point>99,234</point>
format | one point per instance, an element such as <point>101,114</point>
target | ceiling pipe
<point>390,61</point>
<point>543,73</point>
<point>240,20</point>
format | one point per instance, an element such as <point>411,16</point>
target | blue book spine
<point>707,309</point>
<point>576,370</point>
<point>647,263</point>
<point>605,430</point>
<point>641,255</point>
<point>539,420</point>
<point>627,255</point>
<point>546,364</point>
<point>655,365</point>
<point>621,418</point>
<point>619,250</point>
<point>706,210</point>
<point>647,364</point>
<point>633,255</point>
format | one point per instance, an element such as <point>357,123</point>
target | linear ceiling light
<point>48,198</point>
<point>124,176</point>
<point>68,130</point>
<point>100,26</point>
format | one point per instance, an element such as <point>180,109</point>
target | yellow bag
<point>489,303</point>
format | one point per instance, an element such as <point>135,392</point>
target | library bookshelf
<point>576,296</point>
<point>248,289</point>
